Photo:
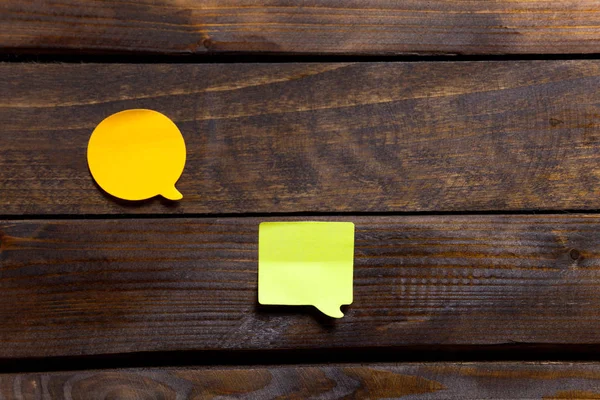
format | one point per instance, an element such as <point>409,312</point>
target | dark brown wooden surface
<point>80,287</point>
<point>315,137</point>
<point>313,27</point>
<point>346,381</point>
<point>347,138</point>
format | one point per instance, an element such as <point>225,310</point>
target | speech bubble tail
<point>332,311</point>
<point>172,194</point>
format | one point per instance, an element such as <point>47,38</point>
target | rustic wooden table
<point>461,137</point>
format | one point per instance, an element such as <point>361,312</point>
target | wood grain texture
<point>342,381</point>
<point>315,137</point>
<point>309,27</point>
<point>116,286</point>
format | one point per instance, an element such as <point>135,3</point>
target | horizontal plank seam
<point>21,217</point>
<point>19,56</point>
<point>513,352</point>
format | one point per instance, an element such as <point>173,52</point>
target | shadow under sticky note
<point>306,263</point>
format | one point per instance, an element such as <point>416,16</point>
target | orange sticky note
<point>137,154</point>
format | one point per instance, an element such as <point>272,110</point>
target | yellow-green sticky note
<point>306,263</point>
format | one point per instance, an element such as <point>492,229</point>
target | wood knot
<point>208,43</point>
<point>575,254</point>
<point>555,122</point>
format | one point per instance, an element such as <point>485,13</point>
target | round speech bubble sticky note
<point>137,154</point>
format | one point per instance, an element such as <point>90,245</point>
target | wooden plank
<point>341,381</point>
<point>312,27</point>
<point>315,137</point>
<point>84,287</point>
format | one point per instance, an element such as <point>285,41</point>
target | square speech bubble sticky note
<point>306,263</point>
